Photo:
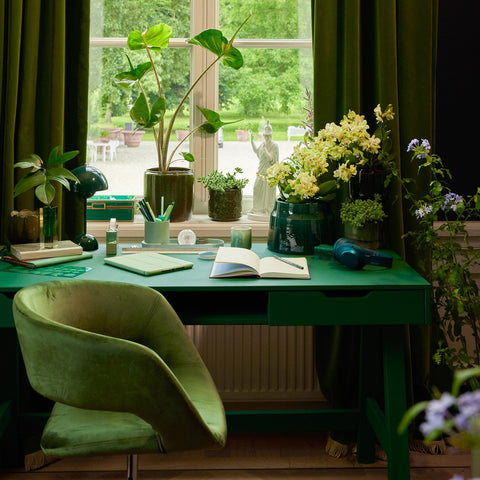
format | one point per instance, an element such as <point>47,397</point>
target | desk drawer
<point>348,307</point>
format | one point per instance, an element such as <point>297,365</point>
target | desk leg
<point>395,403</point>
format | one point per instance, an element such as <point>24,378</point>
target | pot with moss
<point>362,220</point>
<point>167,182</point>
<point>224,194</point>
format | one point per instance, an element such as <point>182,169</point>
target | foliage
<point>307,175</point>
<point>453,414</point>
<point>42,174</point>
<point>148,114</point>
<point>358,212</point>
<point>220,182</point>
<point>456,299</point>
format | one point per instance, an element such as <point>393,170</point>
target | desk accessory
<point>30,251</point>
<point>111,237</point>
<point>148,263</point>
<point>44,262</point>
<point>157,233</point>
<point>201,245</point>
<point>187,237</point>
<point>241,236</point>
<point>243,262</point>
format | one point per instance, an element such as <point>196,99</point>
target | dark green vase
<point>225,206</point>
<point>175,185</point>
<point>48,227</point>
<point>298,227</point>
<point>365,185</point>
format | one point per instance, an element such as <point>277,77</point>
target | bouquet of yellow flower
<point>318,165</point>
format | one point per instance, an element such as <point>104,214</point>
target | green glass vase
<point>48,227</point>
<point>298,227</point>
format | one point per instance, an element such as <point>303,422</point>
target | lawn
<point>279,123</point>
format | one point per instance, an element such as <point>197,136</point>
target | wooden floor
<point>299,456</point>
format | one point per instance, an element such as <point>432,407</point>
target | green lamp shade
<point>90,181</point>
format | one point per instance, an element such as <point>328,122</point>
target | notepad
<point>242,262</point>
<point>148,263</point>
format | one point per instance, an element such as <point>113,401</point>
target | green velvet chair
<point>124,374</point>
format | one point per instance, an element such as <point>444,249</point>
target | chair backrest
<point>119,347</point>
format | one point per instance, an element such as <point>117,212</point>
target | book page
<point>271,267</point>
<point>238,255</point>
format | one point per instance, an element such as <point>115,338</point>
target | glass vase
<point>48,227</point>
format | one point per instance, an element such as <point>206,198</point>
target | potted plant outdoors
<point>164,181</point>
<point>40,178</point>
<point>225,194</point>
<point>362,220</point>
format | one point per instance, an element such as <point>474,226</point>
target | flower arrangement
<point>360,212</point>
<point>442,229</point>
<point>321,163</point>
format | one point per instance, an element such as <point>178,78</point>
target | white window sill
<point>202,225</point>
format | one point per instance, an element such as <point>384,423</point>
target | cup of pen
<point>157,232</point>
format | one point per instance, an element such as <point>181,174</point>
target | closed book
<point>148,263</point>
<point>34,251</point>
<point>242,262</point>
<point>46,262</point>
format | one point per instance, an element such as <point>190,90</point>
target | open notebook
<point>148,263</point>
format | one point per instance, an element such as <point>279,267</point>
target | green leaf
<point>139,112</point>
<point>157,37</point>
<point>25,164</point>
<point>187,156</point>
<point>214,41</point>
<point>60,172</point>
<point>130,77</point>
<point>326,187</point>
<point>213,123</point>
<point>158,111</point>
<point>29,181</point>
<point>55,158</point>
<point>45,193</point>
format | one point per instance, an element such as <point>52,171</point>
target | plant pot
<point>175,185</point>
<point>132,138</point>
<point>299,227</point>
<point>242,135</point>
<point>23,227</point>
<point>225,206</point>
<point>365,185</point>
<point>367,236</point>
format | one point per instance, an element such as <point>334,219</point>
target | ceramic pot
<point>225,206</point>
<point>367,236</point>
<point>174,185</point>
<point>132,138</point>
<point>298,227</point>
<point>365,185</point>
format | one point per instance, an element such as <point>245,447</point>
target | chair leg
<point>132,467</point>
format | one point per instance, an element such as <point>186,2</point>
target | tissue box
<point>105,207</point>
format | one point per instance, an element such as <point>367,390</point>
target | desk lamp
<point>90,181</point>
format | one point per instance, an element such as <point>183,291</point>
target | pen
<point>150,211</point>
<point>288,262</point>
<point>168,211</point>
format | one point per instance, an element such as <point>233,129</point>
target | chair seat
<point>74,431</point>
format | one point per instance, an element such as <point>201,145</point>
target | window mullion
<point>203,14</point>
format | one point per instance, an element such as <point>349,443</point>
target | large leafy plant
<point>152,115</point>
<point>42,174</point>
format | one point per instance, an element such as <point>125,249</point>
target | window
<point>271,86</point>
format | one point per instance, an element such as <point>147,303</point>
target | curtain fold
<point>368,52</point>
<point>44,85</point>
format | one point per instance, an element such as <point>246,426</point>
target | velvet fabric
<point>367,52</point>
<point>44,54</point>
<point>121,367</point>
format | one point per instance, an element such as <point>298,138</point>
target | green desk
<point>380,301</point>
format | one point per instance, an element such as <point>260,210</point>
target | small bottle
<point>111,237</point>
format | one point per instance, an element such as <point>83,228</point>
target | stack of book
<point>32,255</point>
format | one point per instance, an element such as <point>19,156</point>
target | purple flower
<point>412,145</point>
<point>468,408</point>
<point>451,201</point>
<point>426,144</point>
<point>436,413</point>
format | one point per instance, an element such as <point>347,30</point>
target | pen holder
<point>157,232</point>
<point>241,236</point>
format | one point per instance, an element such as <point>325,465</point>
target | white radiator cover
<point>258,362</point>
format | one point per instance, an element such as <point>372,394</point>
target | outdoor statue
<point>263,195</point>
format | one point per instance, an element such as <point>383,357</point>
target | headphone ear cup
<point>346,253</point>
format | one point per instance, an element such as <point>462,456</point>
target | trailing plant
<point>442,229</point>
<point>359,212</point>
<point>43,173</point>
<point>219,181</point>
<point>152,115</point>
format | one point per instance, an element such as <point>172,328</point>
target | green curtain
<point>368,52</point>
<point>44,86</point>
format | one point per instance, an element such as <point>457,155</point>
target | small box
<point>105,207</point>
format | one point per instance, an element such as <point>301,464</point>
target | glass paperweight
<point>187,237</point>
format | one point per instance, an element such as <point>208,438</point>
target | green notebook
<point>148,263</point>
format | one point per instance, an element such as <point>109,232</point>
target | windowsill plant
<point>225,194</point>
<point>151,114</point>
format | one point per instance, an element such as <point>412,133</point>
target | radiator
<point>258,362</point>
